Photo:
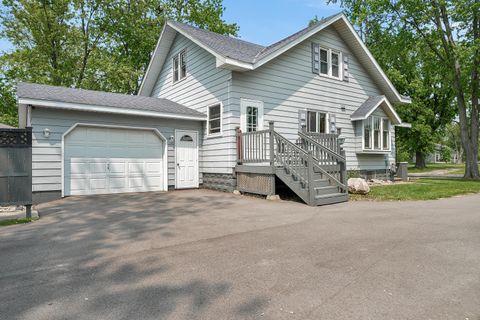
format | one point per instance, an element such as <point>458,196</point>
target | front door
<point>186,156</point>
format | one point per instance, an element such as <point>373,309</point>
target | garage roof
<point>90,100</point>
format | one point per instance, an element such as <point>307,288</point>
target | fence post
<point>272,143</point>
<point>343,170</point>
<point>311,190</point>
<point>238,135</point>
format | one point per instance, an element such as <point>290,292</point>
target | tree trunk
<point>420,160</point>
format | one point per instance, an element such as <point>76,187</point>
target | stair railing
<point>331,163</point>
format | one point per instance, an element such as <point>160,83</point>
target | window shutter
<point>346,75</point>
<point>315,58</point>
<point>302,120</point>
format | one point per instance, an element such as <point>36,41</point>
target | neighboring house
<point>181,130</point>
<point>437,155</point>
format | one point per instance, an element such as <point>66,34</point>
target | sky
<point>265,21</point>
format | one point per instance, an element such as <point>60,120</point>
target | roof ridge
<point>216,33</point>
<point>321,21</point>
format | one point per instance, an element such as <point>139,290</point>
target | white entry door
<point>99,160</point>
<point>186,155</point>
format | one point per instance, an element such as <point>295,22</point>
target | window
<point>316,122</point>
<point>179,66</point>
<point>251,115</point>
<point>215,119</point>
<point>330,61</point>
<point>186,138</point>
<point>323,61</point>
<point>335,64</point>
<point>386,134</point>
<point>376,133</point>
<point>367,133</point>
<point>252,119</point>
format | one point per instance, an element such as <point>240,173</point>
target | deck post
<point>238,134</point>
<point>272,143</point>
<point>311,190</point>
<point>343,168</point>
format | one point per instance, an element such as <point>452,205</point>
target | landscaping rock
<point>273,197</point>
<point>236,192</point>
<point>358,185</point>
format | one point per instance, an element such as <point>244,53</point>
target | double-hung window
<point>386,134</point>
<point>330,61</point>
<point>376,134</point>
<point>179,66</point>
<point>215,119</point>
<point>317,122</point>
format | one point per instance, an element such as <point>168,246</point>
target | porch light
<point>46,132</point>
<point>171,139</point>
<point>341,140</point>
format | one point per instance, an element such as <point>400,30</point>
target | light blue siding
<point>204,86</point>
<point>287,84</point>
<point>47,152</point>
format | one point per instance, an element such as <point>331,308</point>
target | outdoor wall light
<point>171,139</point>
<point>46,132</point>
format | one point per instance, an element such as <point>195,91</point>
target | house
<point>437,156</point>
<point>224,113</point>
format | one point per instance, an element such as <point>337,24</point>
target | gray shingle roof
<point>239,49</point>
<point>363,111</point>
<point>100,98</point>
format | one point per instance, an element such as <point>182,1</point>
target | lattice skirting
<point>256,183</point>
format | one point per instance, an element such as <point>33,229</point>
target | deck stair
<point>316,173</point>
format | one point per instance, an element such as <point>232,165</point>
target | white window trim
<point>178,55</point>
<point>329,62</point>
<point>243,111</point>
<point>327,120</point>
<point>217,134</point>
<point>372,149</point>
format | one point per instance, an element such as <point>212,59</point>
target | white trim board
<point>169,32</point>
<point>105,109</point>
<point>79,124</point>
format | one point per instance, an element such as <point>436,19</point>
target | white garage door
<point>112,160</point>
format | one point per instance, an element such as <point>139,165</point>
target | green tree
<point>93,44</point>
<point>8,110</point>
<point>446,31</point>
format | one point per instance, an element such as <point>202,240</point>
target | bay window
<point>376,134</point>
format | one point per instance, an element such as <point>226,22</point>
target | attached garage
<point>91,142</point>
<point>100,160</point>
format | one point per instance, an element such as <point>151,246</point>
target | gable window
<point>330,61</point>
<point>251,115</point>
<point>324,61</point>
<point>179,66</point>
<point>335,64</point>
<point>317,122</point>
<point>376,134</point>
<point>214,119</point>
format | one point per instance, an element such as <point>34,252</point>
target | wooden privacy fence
<point>16,167</point>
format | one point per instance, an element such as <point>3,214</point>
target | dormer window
<point>179,66</point>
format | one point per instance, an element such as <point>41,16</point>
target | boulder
<point>358,185</point>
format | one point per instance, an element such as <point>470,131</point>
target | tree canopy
<point>91,44</point>
<point>431,51</point>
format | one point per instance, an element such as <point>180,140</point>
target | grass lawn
<point>422,189</point>
<point>459,168</point>
<point>10,222</point>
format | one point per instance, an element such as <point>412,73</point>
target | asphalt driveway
<point>207,255</point>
